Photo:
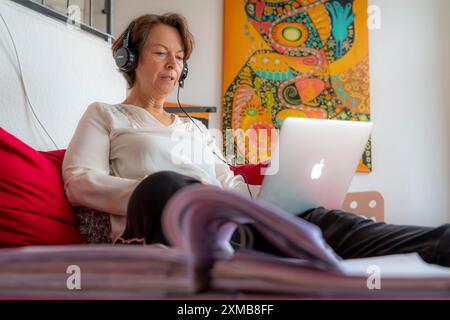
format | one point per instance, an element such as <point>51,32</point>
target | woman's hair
<point>141,29</point>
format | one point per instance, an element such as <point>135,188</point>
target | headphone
<point>127,58</point>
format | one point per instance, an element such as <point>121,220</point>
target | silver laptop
<point>313,163</point>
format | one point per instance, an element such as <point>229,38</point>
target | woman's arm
<point>86,170</point>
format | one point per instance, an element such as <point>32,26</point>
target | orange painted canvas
<point>292,58</point>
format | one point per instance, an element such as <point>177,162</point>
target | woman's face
<point>160,62</point>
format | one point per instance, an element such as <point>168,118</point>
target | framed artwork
<point>292,58</point>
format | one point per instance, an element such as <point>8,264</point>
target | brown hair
<point>141,30</point>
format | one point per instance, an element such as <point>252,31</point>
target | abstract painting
<point>292,58</point>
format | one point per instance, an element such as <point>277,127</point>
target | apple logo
<point>316,172</point>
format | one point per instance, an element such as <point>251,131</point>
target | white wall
<point>64,71</point>
<point>410,112</point>
<point>408,100</point>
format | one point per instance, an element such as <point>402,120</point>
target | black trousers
<point>349,235</point>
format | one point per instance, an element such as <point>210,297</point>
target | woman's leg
<point>147,203</point>
<point>349,235</point>
<point>352,236</point>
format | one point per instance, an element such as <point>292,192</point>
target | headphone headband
<point>127,36</point>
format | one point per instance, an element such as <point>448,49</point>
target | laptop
<point>313,163</point>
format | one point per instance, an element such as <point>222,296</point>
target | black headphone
<point>127,58</point>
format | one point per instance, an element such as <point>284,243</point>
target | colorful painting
<point>292,58</point>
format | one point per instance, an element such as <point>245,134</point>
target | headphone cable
<point>23,81</point>
<point>220,158</point>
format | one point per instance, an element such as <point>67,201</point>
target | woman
<point>117,148</point>
<point>123,158</point>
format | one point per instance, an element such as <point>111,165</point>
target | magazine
<point>199,220</point>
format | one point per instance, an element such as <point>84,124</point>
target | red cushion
<point>251,172</point>
<point>33,207</point>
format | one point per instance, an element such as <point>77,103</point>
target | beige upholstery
<point>369,204</point>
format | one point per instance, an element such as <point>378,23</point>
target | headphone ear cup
<point>121,57</point>
<point>133,60</point>
<point>183,75</point>
<point>126,59</point>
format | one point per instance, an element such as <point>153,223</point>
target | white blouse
<point>116,146</point>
